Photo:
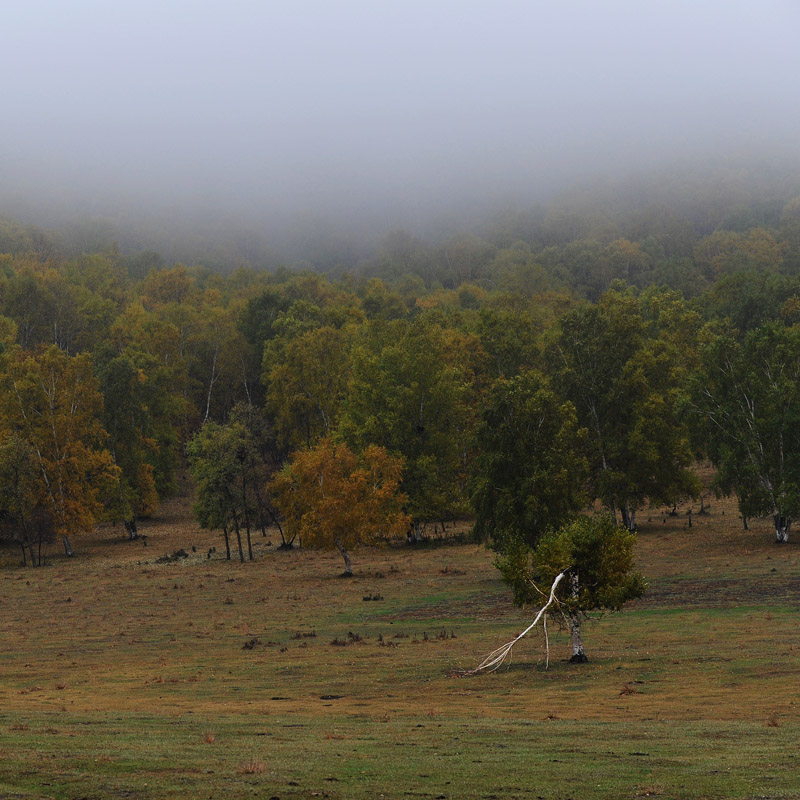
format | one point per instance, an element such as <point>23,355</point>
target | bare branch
<point>496,658</point>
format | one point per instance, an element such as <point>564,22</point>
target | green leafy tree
<point>306,379</point>
<point>626,384</point>
<point>409,392</point>
<point>596,556</point>
<point>221,468</point>
<point>529,470</point>
<point>21,514</point>
<point>262,460</point>
<point>132,439</point>
<point>746,398</point>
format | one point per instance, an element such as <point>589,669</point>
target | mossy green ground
<point>122,677</point>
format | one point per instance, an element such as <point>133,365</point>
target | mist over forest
<point>256,134</point>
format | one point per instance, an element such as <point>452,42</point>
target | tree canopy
<point>333,497</point>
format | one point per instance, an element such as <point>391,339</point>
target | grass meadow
<point>123,677</point>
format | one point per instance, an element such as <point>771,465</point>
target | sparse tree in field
<point>587,565</point>
<point>218,460</point>
<point>261,461</point>
<point>333,498</point>
<point>746,397</point>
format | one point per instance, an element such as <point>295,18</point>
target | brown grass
<point>112,638</point>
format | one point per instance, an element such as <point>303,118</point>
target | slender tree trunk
<point>130,526</point>
<point>246,512</point>
<point>227,542</point>
<point>578,654</point>
<point>628,516</point>
<point>211,381</point>
<point>782,525</point>
<point>24,556</point>
<point>238,538</point>
<point>348,567</point>
<point>744,523</point>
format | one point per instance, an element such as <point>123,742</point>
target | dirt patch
<point>721,593</point>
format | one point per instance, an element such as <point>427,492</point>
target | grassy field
<point>123,677</point>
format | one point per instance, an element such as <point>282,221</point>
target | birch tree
<point>746,399</point>
<point>596,558</point>
<point>52,402</point>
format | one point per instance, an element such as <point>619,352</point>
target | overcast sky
<point>269,109</point>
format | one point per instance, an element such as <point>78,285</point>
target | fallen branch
<point>496,658</point>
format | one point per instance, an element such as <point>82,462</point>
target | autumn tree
<point>53,403</point>
<point>332,497</point>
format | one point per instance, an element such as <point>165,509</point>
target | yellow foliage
<point>332,497</point>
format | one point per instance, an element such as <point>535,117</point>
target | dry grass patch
<point>143,660</point>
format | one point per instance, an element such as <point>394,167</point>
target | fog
<point>371,115</point>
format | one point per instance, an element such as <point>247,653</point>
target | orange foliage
<point>332,497</point>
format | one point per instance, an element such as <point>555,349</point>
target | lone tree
<point>221,468</point>
<point>587,565</point>
<point>332,497</point>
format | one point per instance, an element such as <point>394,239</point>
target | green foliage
<point>529,469</point>
<point>624,374</point>
<point>598,557</point>
<point>746,400</point>
<point>132,440</point>
<point>409,393</point>
<point>306,379</point>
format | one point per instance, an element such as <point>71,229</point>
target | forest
<point>582,354</point>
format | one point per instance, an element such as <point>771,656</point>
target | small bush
<point>252,767</point>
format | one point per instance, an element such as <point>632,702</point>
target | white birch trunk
<point>348,567</point>
<point>578,654</point>
<point>782,525</point>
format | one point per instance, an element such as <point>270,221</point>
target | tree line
<point>505,390</point>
